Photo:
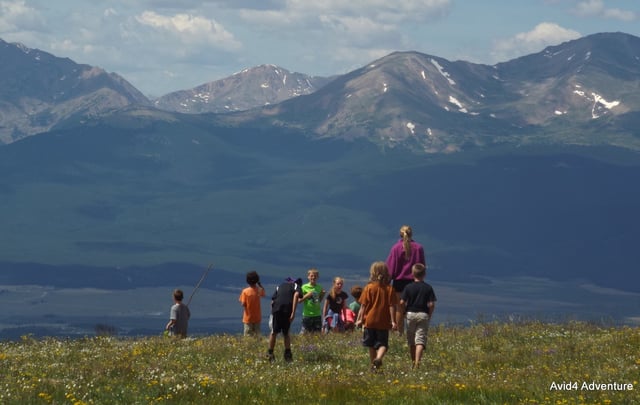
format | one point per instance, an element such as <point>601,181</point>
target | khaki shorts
<point>417,328</point>
<point>252,329</point>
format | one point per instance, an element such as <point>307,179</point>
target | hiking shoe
<point>377,363</point>
<point>271,357</point>
<point>288,357</point>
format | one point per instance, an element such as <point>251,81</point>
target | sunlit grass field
<point>484,363</point>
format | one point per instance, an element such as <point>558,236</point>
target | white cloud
<point>273,18</point>
<point>344,31</point>
<point>597,8</point>
<point>203,40</point>
<point>360,31</point>
<point>109,12</point>
<point>543,35</point>
<point>191,29</point>
<point>65,46</point>
<point>16,15</point>
<point>378,10</point>
<point>300,12</point>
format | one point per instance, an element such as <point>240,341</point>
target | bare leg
<point>287,348</point>
<point>418,355</point>
<point>377,355</point>
<point>272,344</point>
<point>372,354</point>
<point>399,315</point>
<point>412,352</point>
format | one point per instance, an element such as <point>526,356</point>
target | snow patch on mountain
<point>443,72</point>
<point>457,103</point>
<point>600,104</point>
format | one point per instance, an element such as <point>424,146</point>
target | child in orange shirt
<point>378,309</point>
<point>250,301</point>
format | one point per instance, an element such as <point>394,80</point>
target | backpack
<point>282,298</point>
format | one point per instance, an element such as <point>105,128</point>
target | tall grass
<point>492,363</point>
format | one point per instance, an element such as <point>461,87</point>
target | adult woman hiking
<point>402,256</point>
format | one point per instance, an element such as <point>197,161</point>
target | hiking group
<point>396,291</point>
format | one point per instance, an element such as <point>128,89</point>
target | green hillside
<point>486,363</point>
<point>146,192</point>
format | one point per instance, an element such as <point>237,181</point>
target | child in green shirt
<point>312,295</point>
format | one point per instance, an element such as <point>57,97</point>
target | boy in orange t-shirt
<point>250,301</point>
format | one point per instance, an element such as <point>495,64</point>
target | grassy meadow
<point>485,363</point>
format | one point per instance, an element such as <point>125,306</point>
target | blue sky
<point>166,45</point>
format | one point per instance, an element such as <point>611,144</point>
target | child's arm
<point>173,317</point>
<point>304,297</point>
<point>296,296</point>
<point>325,307</point>
<point>403,307</point>
<point>431,307</point>
<point>392,312</point>
<point>392,308</point>
<point>363,309</point>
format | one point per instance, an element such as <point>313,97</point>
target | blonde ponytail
<point>406,234</point>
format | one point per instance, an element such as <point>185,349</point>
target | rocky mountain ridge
<point>582,92</point>
<point>254,87</point>
<point>39,90</point>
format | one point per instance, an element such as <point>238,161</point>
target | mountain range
<point>582,92</point>
<point>525,170</point>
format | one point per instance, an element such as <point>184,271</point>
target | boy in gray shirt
<point>179,317</point>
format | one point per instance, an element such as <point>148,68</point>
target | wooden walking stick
<point>204,275</point>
